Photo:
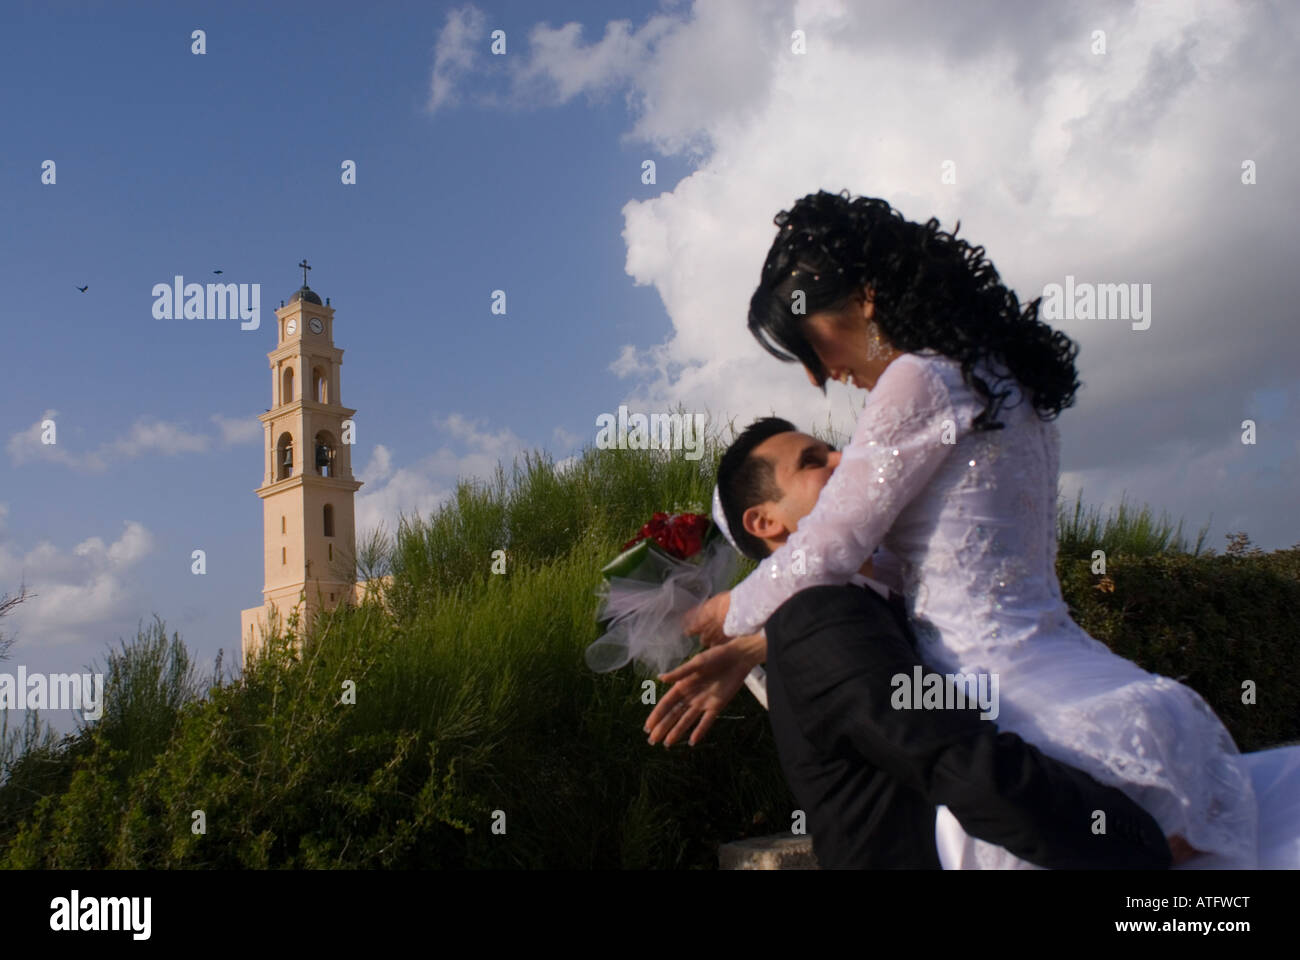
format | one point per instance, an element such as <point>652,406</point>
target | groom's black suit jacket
<point>869,776</point>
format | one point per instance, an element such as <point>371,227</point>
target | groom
<point>870,777</point>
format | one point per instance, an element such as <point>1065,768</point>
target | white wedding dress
<point>970,519</point>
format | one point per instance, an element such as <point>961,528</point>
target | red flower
<point>681,534</point>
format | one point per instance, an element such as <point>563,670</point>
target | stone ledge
<point>780,851</point>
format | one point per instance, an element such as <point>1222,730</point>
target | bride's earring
<point>875,342</point>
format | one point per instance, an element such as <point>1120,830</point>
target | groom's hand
<point>702,687</point>
<point>706,620</point>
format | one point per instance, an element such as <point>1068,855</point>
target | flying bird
<point>218,271</point>
<point>84,289</point>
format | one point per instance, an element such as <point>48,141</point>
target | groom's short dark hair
<point>745,480</point>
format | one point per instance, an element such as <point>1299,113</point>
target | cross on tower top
<point>305,268</point>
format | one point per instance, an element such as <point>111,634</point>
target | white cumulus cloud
<point>472,452</point>
<point>238,430</point>
<point>76,591</point>
<point>147,436</point>
<point>455,53</point>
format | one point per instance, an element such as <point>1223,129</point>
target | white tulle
<point>971,519</point>
<point>646,618</point>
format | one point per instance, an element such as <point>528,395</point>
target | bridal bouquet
<point>674,563</point>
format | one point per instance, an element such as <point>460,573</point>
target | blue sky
<point>523,173</point>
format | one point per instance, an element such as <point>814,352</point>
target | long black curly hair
<point>930,291</point>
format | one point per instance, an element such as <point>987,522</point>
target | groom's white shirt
<point>875,585</point>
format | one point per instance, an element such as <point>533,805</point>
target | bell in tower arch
<point>324,454</point>
<point>284,457</point>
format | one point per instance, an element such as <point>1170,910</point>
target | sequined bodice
<point>977,549</point>
<point>969,516</point>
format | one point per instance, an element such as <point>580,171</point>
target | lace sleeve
<point>897,445</point>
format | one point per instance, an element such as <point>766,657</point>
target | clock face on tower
<point>316,325</point>
<point>291,327</point>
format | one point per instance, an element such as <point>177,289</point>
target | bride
<point>953,467</point>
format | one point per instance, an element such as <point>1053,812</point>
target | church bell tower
<point>308,520</point>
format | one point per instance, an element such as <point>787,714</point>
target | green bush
<point>1212,622</point>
